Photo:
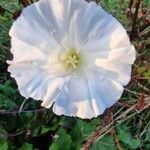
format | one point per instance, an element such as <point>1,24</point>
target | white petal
<point>36,83</point>
<point>25,75</point>
<point>123,55</point>
<point>63,11</point>
<point>83,23</point>
<point>44,24</point>
<point>74,100</point>
<point>104,90</point>
<point>32,29</point>
<point>107,34</point>
<point>53,90</point>
<point>23,52</point>
<point>87,97</point>
<point>117,66</point>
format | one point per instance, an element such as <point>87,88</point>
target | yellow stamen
<point>71,60</point>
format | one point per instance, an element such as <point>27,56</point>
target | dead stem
<point>135,15</point>
<point>103,130</point>
<point>14,113</point>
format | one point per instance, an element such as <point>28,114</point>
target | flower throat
<point>71,60</point>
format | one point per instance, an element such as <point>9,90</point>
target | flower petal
<point>48,23</point>
<point>29,52</point>
<point>83,23</point>
<point>117,66</point>
<point>62,11</point>
<point>96,31</point>
<point>87,97</point>
<point>103,89</point>
<point>36,83</point>
<point>53,90</point>
<point>123,55</point>
<point>74,100</point>
<point>32,28</point>
<point>25,75</point>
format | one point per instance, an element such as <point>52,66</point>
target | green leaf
<point>106,143</point>
<point>3,145</point>
<point>141,70</point>
<point>135,143</point>
<point>26,146</point>
<point>7,89</point>
<point>45,129</point>
<point>3,134</point>
<point>3,18</point>
<point>6,103</point>
<point>126,138</point>
<point>82,130</point>
<point>62,142</point>
<point>147,74</point>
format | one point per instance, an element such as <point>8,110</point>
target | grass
<point>126,126</point>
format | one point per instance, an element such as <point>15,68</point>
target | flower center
<point>71,60</point>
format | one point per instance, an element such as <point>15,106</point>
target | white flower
<point>71,54</point>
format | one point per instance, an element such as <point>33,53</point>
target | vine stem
<point>2,9</point>
<point>14,113</point>
<point>134,19</point>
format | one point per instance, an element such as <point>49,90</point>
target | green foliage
<point>143,71</point>
<point>106,143</point>
<point>63,141</point>
<point>26,146</point>
<point>6,103</point>
<point>3,139</point>
<point>126,138</point>
<point>3,145</point>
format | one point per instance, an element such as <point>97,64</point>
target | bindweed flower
<point>70,54</point>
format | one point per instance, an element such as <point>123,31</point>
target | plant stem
<point>14,113</point>
<point>103,130</point>
<point>135,15</point>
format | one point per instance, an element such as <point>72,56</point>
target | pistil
<point>71,60</point>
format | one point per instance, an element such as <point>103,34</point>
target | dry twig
<point>14,113</point>
<point>103,129</point>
